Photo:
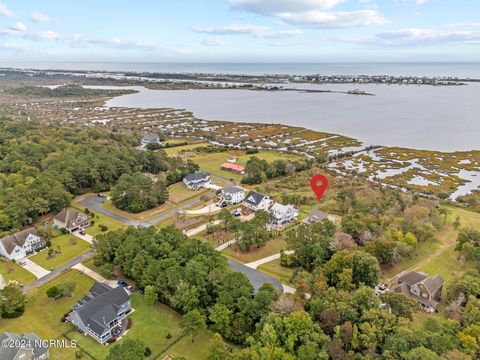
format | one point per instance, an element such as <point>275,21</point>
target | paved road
<point>93,202</point>
<point>256,278</point>
<point>60,270</point>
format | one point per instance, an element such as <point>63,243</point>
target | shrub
<point>92,222</point>
<point>251,151</point>
<point>103,227</point>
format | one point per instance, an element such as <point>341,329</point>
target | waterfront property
<point>282,214</point>
<point>197,180</point>
<point>231,195</point>
<point>22,347</point>
<point>71,220</point>
<point>255,201</point>
<point>237,169</point>
<point>101,312</point>
<point>427,290</point>
<point>17,246</point>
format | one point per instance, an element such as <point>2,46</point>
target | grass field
<point>177,149</point>
<point>274,269</point>
<point>179,193</point>
<point>16,273</point>
<point>42,314</point>
<point>101,219</point>
<point>70,247</point>
<point>272,247</point>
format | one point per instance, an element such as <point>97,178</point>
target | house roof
<point>70,217</point>
<point>10,352</point>
<point>233,167</point>
<point>197,176</point>
<point>278,210</point>
<point>151,138</point>
<point>9,242</point>
<point>432,283</point>
<point>102,308</point>
<point>318,215</point>
<point>232,190</point>
<point>254,198</point>
<point>412,277</point>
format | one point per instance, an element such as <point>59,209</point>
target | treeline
<point>64,91</point>
<point>257,171</point>
<point>188,275</point>
<point>43,166</point>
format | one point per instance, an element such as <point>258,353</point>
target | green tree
<point>129,349</point>
<point>150,295</point>
<point>192,323</point>
<point>12,301</point>
<point>217,349</point>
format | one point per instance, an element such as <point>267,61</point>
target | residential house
<point>427,290</point>
<point>231,195</point>
<point>71,220</point>
<point>17,246</point>
<point>151,139</point>
<point>282,214</point>
<point>255,201</point>
<point>22,347</point>
<point>232,160</point>
<point>197,180</point>
<point>100,313</point>
<point>317,216</point>
<point>233,168</point>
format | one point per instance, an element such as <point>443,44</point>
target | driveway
<point>2,282</point>
<point>257,263</point>
<point>200,228</point>
<point>206,210</point>
<point>83,269</point>
<point>86,237</point>
<point>256,278</point>
<point>35,269</point>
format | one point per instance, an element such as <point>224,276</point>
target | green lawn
<point>151,325</point>
<point>178,193</point>
<point>70,247</point>
<point>42,314</point>
<point>274,269</point>
<point>177,149</point>
<point>273,246</point>
<point>101,219</point>
<point>12,271</point>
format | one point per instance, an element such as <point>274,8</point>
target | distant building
<point>231,195</point>
<point>151,139</point>
<point>255,201</point>
<point>317,216</point>
<point>71,220</point>
<point>197,180</point>
<point>427,290</point>
<point>282,214</point>
<point>23,347</point>
<point>17,246</point>
<point>100,313</point>
<point>233,168</point>
<point>232,160</point>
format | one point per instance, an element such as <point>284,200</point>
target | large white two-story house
<point>71,220</point>
<point>17,246</point>
<point>197,180</point>
<point>282,214</point>
<point>100,313</point>
<point>231,195</point>
<point>255,201</point>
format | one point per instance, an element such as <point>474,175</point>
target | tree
<point>421,353</point>
<point>217,349</point>
<point>468,244</point>
<point>400,304</point>
<point>150,295</point>
<point>130,349</point>
<point>365,269</point>
<point>12,301</point>
<point>457,223</point>
<point>192,323</point>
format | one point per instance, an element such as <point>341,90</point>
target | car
<point>100,195</point>
<point>22,262</point>
<point>82,232</point>
<point>130,288</point>
<point>122,283</point>
<point>236,212</point>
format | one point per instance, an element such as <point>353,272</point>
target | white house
<point>197,180</point>
<point>256,201</point>
<point>231,195</point>
<point>282,214</point>
<point>152,139</point>
<point>17,246</point>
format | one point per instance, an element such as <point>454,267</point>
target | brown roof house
<point>71,220</point>
<point>427,290</point>
<point>17,246</point>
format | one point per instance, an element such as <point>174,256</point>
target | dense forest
<point>43,166</point>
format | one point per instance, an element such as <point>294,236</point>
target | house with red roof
<point>233,168</point>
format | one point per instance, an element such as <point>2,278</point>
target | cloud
<point>418,2</point>
<point>5,11</point>
<point>275,7</point>
<point>257,31</point>
<point>18,27</point>
<point>40,17</point>
<point>212,41</point>
<point>414,37</point>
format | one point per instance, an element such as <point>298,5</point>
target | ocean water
<point>454,69</point>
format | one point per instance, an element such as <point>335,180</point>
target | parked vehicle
<point>100,195</point>
<point>22,262</point>
<point>122,283</point>
<point>236,212</point>
<point>82,232</point>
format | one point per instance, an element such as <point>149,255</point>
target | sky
<point>239,30</point>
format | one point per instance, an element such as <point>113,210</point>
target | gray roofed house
<point>197,180</point>
<point>33,349</point>
<point>18,245</point>
<point>427,290</point>
<point>71,220</point>
<point>316,215</point>
<point>231,195</point>
<point>101,311</point>
<point>256,201</point>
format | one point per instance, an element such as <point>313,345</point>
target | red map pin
<point>319,184</point>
